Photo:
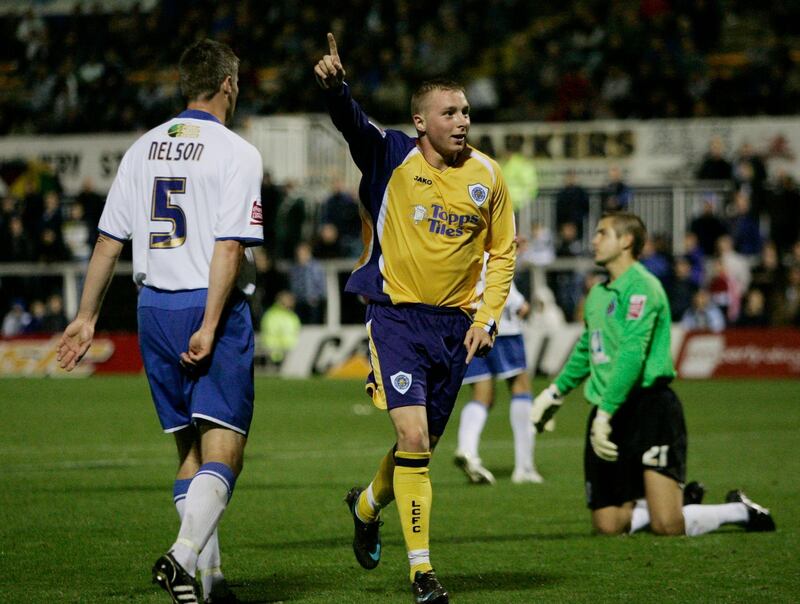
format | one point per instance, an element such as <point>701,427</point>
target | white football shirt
<point>510,322</point>
<point>180,188</point>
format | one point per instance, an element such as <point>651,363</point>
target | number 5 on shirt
<point>162,210</point>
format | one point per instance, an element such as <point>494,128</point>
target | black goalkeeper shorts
<point>650,433</point>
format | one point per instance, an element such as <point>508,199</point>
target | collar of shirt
<point>196,114</point>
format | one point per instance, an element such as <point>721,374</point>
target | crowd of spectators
<point>92,70</point>
<point>739,264</point>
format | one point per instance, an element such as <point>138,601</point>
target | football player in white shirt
<point>188,194</point>
<point>506,361</point>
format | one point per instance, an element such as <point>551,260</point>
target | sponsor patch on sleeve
<point>636,306</point>
<point>256,215</point>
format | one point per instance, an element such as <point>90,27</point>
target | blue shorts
<point>417,355</point>
<point>222,391</point>
<point>505,360</point>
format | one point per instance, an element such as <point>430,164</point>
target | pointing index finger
<point>334,52</point>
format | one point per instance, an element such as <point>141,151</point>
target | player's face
<point>606,244</point>
<point>445,120</point>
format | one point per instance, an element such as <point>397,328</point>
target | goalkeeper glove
<point>600,437</point>
<point>544,408</point>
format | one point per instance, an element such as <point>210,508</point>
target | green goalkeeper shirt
<point>626,340</point>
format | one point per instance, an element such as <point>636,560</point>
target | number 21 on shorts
<point>656,456</point>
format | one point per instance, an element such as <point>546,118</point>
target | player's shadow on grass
<point>279,587</point>
<point>499,581</point>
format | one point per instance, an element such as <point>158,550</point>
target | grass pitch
<point>86,502</point>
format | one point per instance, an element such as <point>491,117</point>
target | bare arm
<point>222,275</point>
<point>78,335</point>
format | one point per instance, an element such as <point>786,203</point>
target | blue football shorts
<point>505,360</point>
<point>221,392</point>
<point>418,357</point>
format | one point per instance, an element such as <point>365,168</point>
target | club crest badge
<point>419,214</point>
<point>478,193</point>
<point>636,307</point>
<point>401,381</point>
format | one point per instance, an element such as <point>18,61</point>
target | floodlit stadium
<point>683,113</point>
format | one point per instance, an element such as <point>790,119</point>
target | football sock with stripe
<point>209,569</point>
<point>380,491</point>
<point>470,426</point>
<point>412,490</point>
<point>206,499</point>
<point>524,434</point>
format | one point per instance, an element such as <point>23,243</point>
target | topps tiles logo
<point>447,224</point>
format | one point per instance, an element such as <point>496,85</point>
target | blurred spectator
<point>657,258</point>
<point>54,321</point>
<point>77,235</point>
<point>767,276</point>
<point>714,165</point>
<point>694,255</point>
<point>682,288</point>
<point>539,249</point>
<point>280,327</point>
<point>16,320</point>
<point>793,257</point>
<point>572,204</point>
<point>784,213</point>
<point>704,314</point>
<point>616,195</point>
<point>307,283</point>
<point>92,204</point>
<point>743,225</point>
<point>519,171</point>
<point>568,286</point>
<point>269,280</point>
<point>37,314</point>
<point>750,175</point>
<point>708,227</point>
<point>725,292</point>
<point>291,217</point>
<point>789,312</point>
<point>17,246</point>
<point>735,264</point>
<point>340,218</point>
<point>754,310</point>
<point>271,200</point>
<point>51,246</point>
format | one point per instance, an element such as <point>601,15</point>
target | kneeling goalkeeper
<point>635,452</point>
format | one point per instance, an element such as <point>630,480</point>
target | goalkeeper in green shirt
<point>635,453</point>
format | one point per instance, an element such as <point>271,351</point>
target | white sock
<point>640,518</point>
<point>209,562</point>
<point>524,435</point>
<point>470,426</point>
<point>203,506</point>
<point>701,519</point>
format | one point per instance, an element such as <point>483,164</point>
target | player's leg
<point>470,426</point>
<point>221,403</point>
<point>412,485</point>
<point>209,569</point>
<point>664,497</point>
<point>209,492</point>
<point>613,520</point>
<point>524,433</point>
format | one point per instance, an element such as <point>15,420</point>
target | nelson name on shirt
<point>170,151</point>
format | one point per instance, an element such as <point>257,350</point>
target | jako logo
<point>423,180</point>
